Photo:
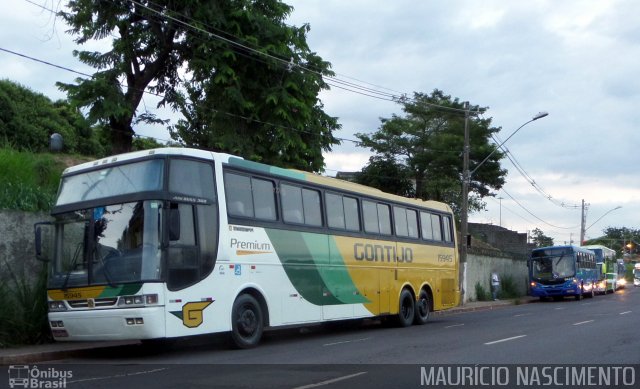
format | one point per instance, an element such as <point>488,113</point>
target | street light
<point>540,115</point>
<point>584,230</point>
<point>466,179</point>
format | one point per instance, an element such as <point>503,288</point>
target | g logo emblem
<point>192,315</point>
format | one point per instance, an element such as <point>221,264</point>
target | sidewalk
<point>52,351</point>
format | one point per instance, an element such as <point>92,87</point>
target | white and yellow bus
<point>177,242</point>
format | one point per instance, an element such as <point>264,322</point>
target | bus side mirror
<point>40,229</point>
<point>174,224</point>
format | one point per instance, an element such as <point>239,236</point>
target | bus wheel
<point>247,322</point>
<point>407,309</point>
<point>423,307</point>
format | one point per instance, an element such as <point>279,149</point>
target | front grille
<point>97,303</point>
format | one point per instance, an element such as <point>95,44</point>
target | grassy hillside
<point>29,180</point>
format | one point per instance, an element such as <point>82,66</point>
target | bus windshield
<point>136,177</point>
<point>552,266</point>
<point>108,245</point>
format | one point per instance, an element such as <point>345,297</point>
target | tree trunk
<point>121,136</point>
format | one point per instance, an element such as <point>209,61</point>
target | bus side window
<point>370,214</point>
<point>447,229</point>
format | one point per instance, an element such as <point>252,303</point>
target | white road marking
<point>505,339</point>
<point>331,381</point>
<point>454,325</point>
<point>521,314</point>
<point>346,341</point>
<point>583,322</point>
<point>117,376</point>
<point>559,308</point>
<point>625,312</point>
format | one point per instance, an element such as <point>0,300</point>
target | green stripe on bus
<point>313,277</point>
<point>267,169</point>
<point>338,279</point>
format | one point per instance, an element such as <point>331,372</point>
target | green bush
<point>481,293</point>
<point>508,289</point>
<point>23,317</point>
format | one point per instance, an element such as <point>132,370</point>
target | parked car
<point>607,284</point>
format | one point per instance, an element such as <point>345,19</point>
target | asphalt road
<point>591,332</point>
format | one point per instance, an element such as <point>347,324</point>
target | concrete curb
<point>53,351</point>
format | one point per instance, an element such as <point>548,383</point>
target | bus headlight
<point>138,300</point>
<point>622,282</point>
<point>56,306</point>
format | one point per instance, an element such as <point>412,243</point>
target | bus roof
<point>258,167</point>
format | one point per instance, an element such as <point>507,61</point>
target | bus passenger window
<point>264,199</point>
<point>238,190</point>
<point>291,204</point>
<point>311,207</point>
<point>436,226</point>
<point>335,211</point>
<point>425,222</point>
<point>351,213</point>
<point>384,218</point>
<point>370,214</point>
<point>446,220</point>
<point>400,221</point>
<point>412,223</point>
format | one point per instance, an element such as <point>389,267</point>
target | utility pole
<point>464,211</point>
<point>583,222</point>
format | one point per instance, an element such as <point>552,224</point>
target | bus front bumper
<point>108,324</point>
<point>539,290</point>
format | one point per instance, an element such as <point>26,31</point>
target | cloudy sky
<point>577,60</point>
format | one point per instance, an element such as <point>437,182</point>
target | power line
<point>530,179</point>
<point>531,213</point>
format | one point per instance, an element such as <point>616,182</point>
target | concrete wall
<point>17,250</point>
<point>479,266</point>
<point>501,238</point>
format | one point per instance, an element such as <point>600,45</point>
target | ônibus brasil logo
<point>25,376</point>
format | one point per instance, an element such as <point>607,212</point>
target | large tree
<point>230,67</point>
<point>428,140</point>
<point>261,105</point>
<point>539,239</point>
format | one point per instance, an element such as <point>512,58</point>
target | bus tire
<point>247,322</point>
<point>422,308</point>
<point>406,309</point>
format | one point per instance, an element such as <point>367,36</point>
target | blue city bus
<point>560,271</point>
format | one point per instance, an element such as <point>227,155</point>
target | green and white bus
<point>177,242</point>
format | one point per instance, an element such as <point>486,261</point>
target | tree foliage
<point>28,119</point>
<point>387,176</point>
<point>539,239</point>
<point>263,106</point>
<point>428,141</point>
<point>245,82</point>
<point>621,239</point>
